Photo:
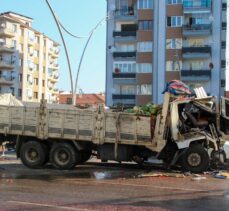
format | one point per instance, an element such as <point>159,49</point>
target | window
<point>223,63</point>
<point>12,90</point>
<point>36,53</point>
<point>174,43</point>
<point>36,67</point>
<point>174,21</point>
<point>43,83</point>
<point>36,81</point>
<point>144,89</point>
<point>144,68</point>
<point>44,70</point>
<point>20,47</point>
<point>125,47</point>
<point>223,44</point>
<point>20,62</point>
<point>145,25</point>
<point>19,93</point>
<point>223,83</point>
<point>125,67</point>
<point>14,28</point>
<point>35,95</point>
<point>173,66</point>
<point>224,6</point>
<point>69,100</point>
<point>20,77</point>
<point>224,26</point>
<point>145,4</point>
<point>145,46</point>
<point>36,39</point>
<point>174,1</point>
<point>197,3</point>
<point>13,43</point>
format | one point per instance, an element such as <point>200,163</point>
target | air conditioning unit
<point>31,66</point>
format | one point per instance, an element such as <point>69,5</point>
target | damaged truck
<point>188,132</point>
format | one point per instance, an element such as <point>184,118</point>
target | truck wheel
<point>195,159</point>
<point>64,156</point>
<point>33,154</point>
<point>85,156</point>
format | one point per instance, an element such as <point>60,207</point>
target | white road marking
<point>47,205</point>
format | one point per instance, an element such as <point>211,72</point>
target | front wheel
<point>195,159</point>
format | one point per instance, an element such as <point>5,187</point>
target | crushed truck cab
<point>183,133</point>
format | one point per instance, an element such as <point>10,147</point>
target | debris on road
<point>162,174</point>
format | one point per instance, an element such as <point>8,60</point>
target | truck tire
<point>64,156</point>
<point>33,154</point>
<point>195,159</point>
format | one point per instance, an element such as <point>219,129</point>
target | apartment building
<point>28,60</point>
<point>150,42</point>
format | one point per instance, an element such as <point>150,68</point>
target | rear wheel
<point>64,156</point>
<point>33,154</point>
<point>195,159</point>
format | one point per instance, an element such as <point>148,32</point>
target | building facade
<point>151,42</point>
<point>28,60</point>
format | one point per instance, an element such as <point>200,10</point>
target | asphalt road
<point>98,186</point>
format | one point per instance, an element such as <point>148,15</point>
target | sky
<point>79,17</point>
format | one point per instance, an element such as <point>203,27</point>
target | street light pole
<point>63,41</point>
<point>82,56</point>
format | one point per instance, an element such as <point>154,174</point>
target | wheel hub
<point>194,159</point>
<point>32,155</point>
<point>62,156</point>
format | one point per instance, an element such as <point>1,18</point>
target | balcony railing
<point>6,48</point>
<point>196,73</point>
<point>197,27</point>
<point>124,75</point>
<point>123,96</point>
<point>124,54</point>
<point>130,13</point>
<point>125,34</point>
<point>196,49</point>
<point>8,32</point>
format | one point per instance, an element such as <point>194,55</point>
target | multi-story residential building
<point>151,42</point>
<point>28,60</point>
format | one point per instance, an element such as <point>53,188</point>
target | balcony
<point>197,6</point>
<point>196,75</point>
<point>6,49</point>
<point>6,64</point>
<point>6,32</point>
<point>197,30</point>
<point>124,75</point>
<point>123,97</point>
<point>6,80</point>
<point>126,14</point>
<point>124,54</point>
<point>196,52</point>
<point>55,66</point>
<point>124,36</point>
